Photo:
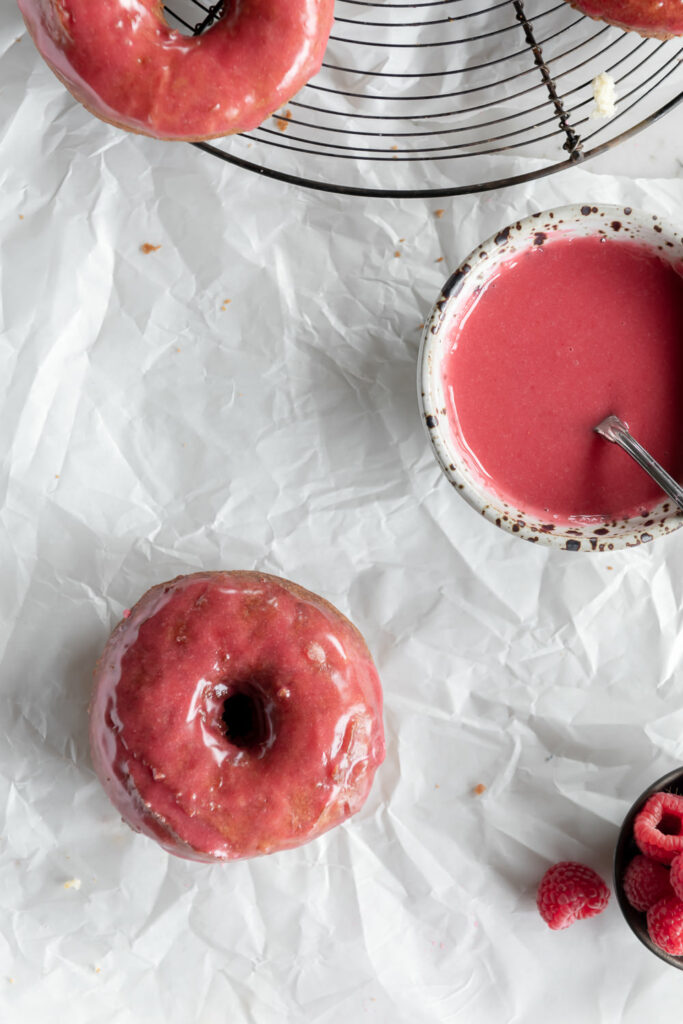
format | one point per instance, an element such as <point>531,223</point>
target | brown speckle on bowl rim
<point>593,534</point>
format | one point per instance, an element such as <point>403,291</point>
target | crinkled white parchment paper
<point>244,396</point>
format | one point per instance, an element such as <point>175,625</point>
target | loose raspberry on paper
<point>676,876</point>
<point>658,827</point>
<point>570,892</point>
<point>646,882</point>
<point>665,925</point>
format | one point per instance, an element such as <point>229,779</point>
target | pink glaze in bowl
<point>471,279</point>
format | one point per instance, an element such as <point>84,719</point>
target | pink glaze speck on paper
<point>568,331</point>
<point>235,714</point>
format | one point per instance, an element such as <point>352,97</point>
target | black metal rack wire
<point>449,97</point>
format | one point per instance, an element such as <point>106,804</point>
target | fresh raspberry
<point>676,876</point>
<point>569,892</point>
<point>665,925</point>
<point>646,882</point>
<point>658,828</point>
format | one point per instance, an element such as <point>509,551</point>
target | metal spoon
<point>615,430</point>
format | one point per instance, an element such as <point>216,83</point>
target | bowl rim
<point>605,536</point>
<point>625,850</point>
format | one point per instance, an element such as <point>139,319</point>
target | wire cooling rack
<point>448,97</point>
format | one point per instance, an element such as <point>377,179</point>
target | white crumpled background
<point>149,428</point>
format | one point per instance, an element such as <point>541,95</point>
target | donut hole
<point>245,719</point>
<point>184,16</point>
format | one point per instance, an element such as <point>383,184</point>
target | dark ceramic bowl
<point>625,852</point>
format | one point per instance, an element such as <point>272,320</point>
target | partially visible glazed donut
<point>123,62</point>
<point>659,18</point>
<point>235,714</point>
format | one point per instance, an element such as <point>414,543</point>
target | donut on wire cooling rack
<point>121,60</point>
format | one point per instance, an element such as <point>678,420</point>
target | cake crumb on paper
<point>440,260</point>
<point>147,248</point>
<point>73,883</point>
<point>439,214</point>
<point>282,120</point>
<point>479,789</point>
<point>397,254</point>
<point>604,95</point>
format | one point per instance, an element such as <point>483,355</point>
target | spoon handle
<point>621,436</point>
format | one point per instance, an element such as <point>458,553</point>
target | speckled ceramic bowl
<point>624,853</point>
<point>480,265</point>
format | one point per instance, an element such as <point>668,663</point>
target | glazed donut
<point>235,714</point>
<point>659,18</point>
<point>121,60</point>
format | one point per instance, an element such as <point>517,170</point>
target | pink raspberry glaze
<point>158,738</point>
<point>525,383</point>
<point>121,60</point>
<point>660,18</point>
